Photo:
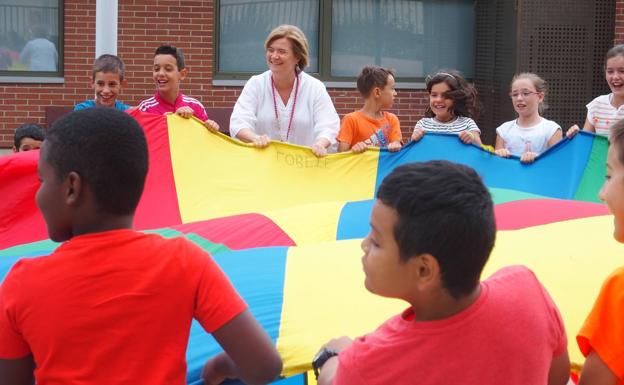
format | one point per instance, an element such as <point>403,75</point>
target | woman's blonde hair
<point>297,39</point>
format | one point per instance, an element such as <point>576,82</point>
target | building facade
<point>213,35</point>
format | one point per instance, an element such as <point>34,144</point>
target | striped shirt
<point>602,114</point>
<point>157,105</point>
<point>461,123</point>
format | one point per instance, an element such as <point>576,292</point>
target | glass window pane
<point>29,35</point>
<point>415,38</point>
<point>245,24</point>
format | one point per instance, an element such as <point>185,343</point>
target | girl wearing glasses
<point>530,134</point>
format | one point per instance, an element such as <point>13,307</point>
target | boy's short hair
<point>445,210</point>
<point>107,148</point>
<point>28,130</point>
<point>166,49</point>
<point>371,77</point>
<point>616,138</point>
<point>109,63</point>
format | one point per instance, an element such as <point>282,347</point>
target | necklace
<point>292,110</point>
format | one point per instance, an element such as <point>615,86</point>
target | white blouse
<point>314,117</point>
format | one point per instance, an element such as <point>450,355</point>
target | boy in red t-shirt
<point>371,126</point>
<point>432,231</point>
<point>111,305</point>
<point>601,338</point>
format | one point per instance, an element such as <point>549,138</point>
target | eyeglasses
<point>525,94</point>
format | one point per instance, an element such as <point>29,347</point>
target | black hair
<point>107,148</point>
<point>28,130</point>
<point>109,63</point>
<point>166,49</point>
<point>462,93</point>
<point>445,210</point>
<point>371,77</point>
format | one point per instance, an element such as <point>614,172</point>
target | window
<point>415,38</point>
<point>30,32</point>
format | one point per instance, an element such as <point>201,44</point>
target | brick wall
<point>143,25</point>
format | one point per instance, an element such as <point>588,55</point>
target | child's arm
<point>343,146</point>
<point>185,112</point>
<point>328,370</point>
<point>211,125</point>
<point>555,138</point>
<point>575,129</point>
<point>470,136</point>
<point>417,134</point>
<point>500,149</point>
<point>559,372</point>
<point>596,372</point>
<point>394,146</point>
<point>249,353</point>
<point>17,372</point>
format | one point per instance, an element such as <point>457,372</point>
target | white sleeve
<point>552,129</point>
<point>245,112</point>
<point>326,120</point>
<point>502,130</point>
<point>590,108</point>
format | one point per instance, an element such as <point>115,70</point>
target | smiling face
<point>525,97</point>
<point>167,76</point>
<point>107,86</point>
<point>51,200</point>
<point>614,74</point>
<point>386,274</point>
<point>281,57</point>
<point>441,106</point>
<point>612,191</point>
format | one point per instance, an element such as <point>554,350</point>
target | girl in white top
<point>605,110</point>
<point>530,134</point>
<point>452,107</point>
<point>284,103</point>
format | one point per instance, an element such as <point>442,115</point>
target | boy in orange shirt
<point>601,338</point>
<point>371,126</point>
<point>112,305</point>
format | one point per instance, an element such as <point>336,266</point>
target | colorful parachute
<point>286,226</point>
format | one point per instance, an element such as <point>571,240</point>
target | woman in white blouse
<point>284,103</point>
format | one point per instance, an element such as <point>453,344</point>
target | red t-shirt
<point>113,308</point>
<point>508,336</point>
<point>357,127</point>
<point>158,105</point>
<point>603,330</point>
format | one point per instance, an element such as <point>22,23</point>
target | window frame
<point>33,77</point>
<point>223,78</point>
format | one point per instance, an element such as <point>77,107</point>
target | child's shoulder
<point>600,100</point>
<point>84,105</point>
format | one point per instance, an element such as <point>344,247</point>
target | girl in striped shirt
<point>453,105</point>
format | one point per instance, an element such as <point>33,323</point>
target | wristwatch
<point>321,358</point>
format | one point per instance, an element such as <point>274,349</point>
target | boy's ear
<point>183,73</point>
<point>425,269</point>
<point>377,91</point>
<point>124,83</point>
<point>74,188</point>
<point>14,149</point>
